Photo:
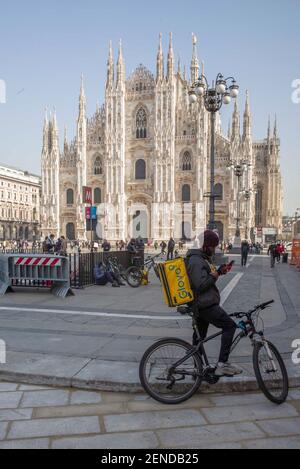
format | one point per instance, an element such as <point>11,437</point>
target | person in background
<point>171,247</point>
<point>272,252</point>
<point>156,245</point>
<point>244,252</point>
<point>106,246</point>
<point>163,246</point>
<point>103,276</point>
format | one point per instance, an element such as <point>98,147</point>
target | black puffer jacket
<point>202,282</point>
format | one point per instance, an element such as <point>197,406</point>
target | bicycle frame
<point>200,346</point>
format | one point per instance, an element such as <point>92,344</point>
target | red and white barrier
<point>33,261</point>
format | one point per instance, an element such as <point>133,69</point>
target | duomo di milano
<point>146,155</point>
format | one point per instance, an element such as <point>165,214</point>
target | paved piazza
<point>81,349</point>
<point>41,417</point>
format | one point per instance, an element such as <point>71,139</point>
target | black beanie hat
<point>211,239</point>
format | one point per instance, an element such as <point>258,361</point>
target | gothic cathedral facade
<point>146,156</point>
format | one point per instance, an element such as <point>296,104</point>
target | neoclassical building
<point>146,155</point>
<point>19,204</point>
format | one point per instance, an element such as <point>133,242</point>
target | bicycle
<point>171,370</point>
<point>136,274</point>
<point>116,267</point>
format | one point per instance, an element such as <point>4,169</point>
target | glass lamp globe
<point>192,97</point>
<point>200,89</point>
<point>221,86</point>
<point>234,91</point>
<point>226,98</point>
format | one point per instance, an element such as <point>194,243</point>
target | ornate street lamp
<point>239,168</point>
<point>221,92</point>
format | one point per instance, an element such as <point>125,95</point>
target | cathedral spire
<point>170,59</point>
<point>195,61</point>
<point>235,133</point>
<point>65,140</point>
<point>160,61</point>
<point>179,67</point>
<point>110,68</point>
<point>275,129</point>
<point>46,131</point>
<point>82,100</point>
<point>120,66</point>
<point>247,118</point>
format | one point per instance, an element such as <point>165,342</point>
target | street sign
<point>87,195</point>
<point>88,213</point>
<point>91,213</point>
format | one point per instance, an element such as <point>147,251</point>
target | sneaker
<point>227,369</point>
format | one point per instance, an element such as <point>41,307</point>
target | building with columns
<point>19,204</point>
<point>146,155</point>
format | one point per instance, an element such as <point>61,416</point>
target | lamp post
<point>213,98</point>
<point>239,168</point>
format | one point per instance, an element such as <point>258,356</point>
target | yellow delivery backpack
<point>175,282</point>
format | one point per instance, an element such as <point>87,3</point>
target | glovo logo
<point>180,287</point>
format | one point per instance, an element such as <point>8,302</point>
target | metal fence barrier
<point>35,270</point>
<point>82,265</point>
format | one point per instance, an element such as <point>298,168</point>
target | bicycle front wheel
<point>270,372</point>
<point>161,380</point>
<point>134,277</point>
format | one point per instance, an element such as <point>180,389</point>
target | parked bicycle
<point>136,274</point>
<point>172,370</point>
<point>116,267</point>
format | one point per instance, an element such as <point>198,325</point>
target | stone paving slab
<point>10,400</point>
<point>51,427</point>
<point>281,427</point>
<point>252,412</point>
<point>15,414</point>
<point>274,443</point>
<point>3,429</point>
<point>45,398</point>
<point>39,443</point>
<point>140,440</point>
<point>153,420</point>
<point>208,435</point>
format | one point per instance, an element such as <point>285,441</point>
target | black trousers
<point>170,254</point>
<point>220,319</point>
<point>244,259</point>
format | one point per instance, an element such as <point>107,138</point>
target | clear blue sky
<point>45,46</point>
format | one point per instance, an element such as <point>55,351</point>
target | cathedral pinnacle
<point>110,67</point>
<point>195,61</point>
<point>120,65</point>
<point>171,58</point>
<point>160,61</point>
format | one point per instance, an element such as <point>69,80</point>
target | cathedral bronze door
<point>70,231</point>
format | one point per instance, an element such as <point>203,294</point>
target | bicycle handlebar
<point>242,314</point>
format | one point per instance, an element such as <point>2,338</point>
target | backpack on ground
<point>175,282</point>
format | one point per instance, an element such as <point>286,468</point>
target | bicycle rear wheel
<point>270,372</point>
<point>134,277</point>
<point>167,385</point>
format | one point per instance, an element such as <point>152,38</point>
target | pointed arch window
<point>219,192</point>
<point>187,161</point>
<point>140,170</point>
<point>97,196</point>
<point>98,170</point>
<point>186,193</point>
<point>141,123</point>
<point>70,197</point>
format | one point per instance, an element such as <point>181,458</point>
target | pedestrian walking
<point>171,247</point>
<point>272,252</point>
<point>244,252</point>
